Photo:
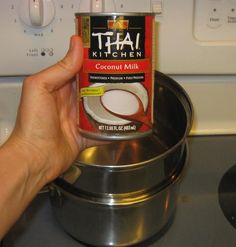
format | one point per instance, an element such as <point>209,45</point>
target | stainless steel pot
<point>140,164</point>
<point>125,192</point>
<point>118,220</point>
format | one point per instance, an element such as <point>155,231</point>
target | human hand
<point>45,130</point>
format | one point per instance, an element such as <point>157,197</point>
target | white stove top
<point>213,99</point>
<point>214,103</point>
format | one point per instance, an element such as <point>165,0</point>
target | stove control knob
<point>37,13</point>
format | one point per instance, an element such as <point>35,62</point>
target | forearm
<point>47,133</point>
<point>19,184</point>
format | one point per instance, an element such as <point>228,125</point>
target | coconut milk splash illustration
<point>130,107</point>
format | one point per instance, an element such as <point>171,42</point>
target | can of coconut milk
<point>115,84</point>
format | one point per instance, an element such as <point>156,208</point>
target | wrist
<point>26,158</point>
<point>21,180</point>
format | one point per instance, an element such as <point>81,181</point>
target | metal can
<point>115,84</point>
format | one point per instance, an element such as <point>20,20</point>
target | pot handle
<point>55,196</point>
<point>72,174</point>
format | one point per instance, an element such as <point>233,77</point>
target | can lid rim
<point>114,14</point>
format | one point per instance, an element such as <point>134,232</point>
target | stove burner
<point>227,195</point>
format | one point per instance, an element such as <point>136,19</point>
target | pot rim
<point>132,165</point>
<point>125,198</point>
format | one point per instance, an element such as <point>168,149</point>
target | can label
<point>115,83</point>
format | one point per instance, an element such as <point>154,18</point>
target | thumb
<point>59,74</point>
